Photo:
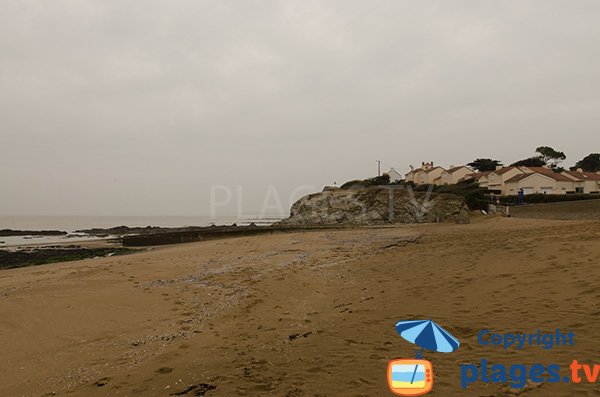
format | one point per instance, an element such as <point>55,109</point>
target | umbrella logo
<point>408,377</point>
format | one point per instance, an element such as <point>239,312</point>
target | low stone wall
<point>582,209</point>
<point>208,233</point>
<point>142,240</point>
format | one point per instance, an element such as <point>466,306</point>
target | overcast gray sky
<point>139,107</point>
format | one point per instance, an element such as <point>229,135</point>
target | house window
<point>528,190</point>
<point>579,190</point>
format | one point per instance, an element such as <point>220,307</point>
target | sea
<point>72,224</point>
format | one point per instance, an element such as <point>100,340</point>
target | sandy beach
<point>300,314</point>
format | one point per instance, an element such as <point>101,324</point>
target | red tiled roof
<point>554,175</point>
<point>451,170</point>
<point>558,177</point>
<point>550,172</point>
<point>504,170</point>
<point>421,169</point>
<point>584,176</point>
<point>541,170</point>
<point>476,175</point>
<point>517,178</point>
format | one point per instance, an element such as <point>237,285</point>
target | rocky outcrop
<point>376,206</point>
<point>11,233</point>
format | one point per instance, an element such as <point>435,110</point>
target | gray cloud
<point>138,107</point>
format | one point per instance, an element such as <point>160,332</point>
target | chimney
<point>498,167</point>
<point>451,166</point>
<point>422,163</point>
<point>579,170</point>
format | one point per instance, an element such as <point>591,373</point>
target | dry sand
<point>300,314</point>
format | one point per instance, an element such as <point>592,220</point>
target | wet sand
<point>300,314</point>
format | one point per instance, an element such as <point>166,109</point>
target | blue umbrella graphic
<point>427,335</point>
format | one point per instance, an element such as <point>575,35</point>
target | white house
<point>452,175</point>
<point>480,177</point>
<point>496,179</point>
<point>395,176</point>
<point>538,182</point>
<point>509,180</point>
<point>584,182</point>
<point>424,175</point>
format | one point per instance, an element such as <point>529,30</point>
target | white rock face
<point>376,206</point>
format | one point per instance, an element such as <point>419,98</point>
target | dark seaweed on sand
<point>22,258</point>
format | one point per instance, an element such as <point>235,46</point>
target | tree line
<point>545,156</point>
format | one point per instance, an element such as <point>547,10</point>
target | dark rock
<point>293,337</point>
<point>198,390</point>
<point>10,232</point>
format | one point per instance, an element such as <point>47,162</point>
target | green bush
<point>476,200</point>
<point>474,196</point>
<point>382,180</point>
<point>349,184</point>
<point>538,198</point>
<point>422,188</point>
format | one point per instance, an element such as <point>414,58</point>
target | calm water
<point>73,223</point>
